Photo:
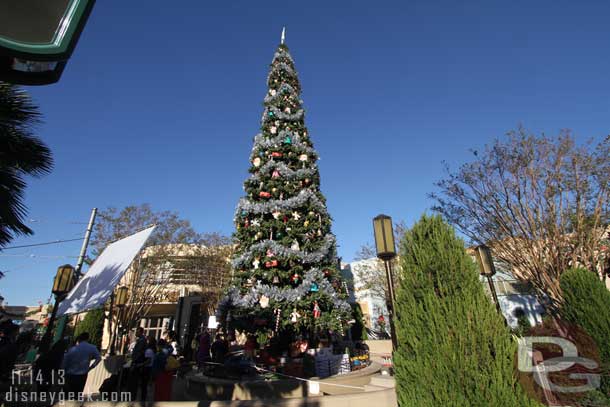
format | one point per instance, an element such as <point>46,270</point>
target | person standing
<point>146,367</point>
<point>138,348</point>
<point>77,364</point>
<point>203,355</point>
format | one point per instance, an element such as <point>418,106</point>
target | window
<point>155,326</point>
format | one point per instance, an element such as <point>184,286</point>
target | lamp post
<point>62,284</point>
<point>386,251</point>
<point>487,269</point>
<point>120,300</point>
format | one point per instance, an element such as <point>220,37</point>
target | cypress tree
<point>453,347</point>
<point>586,303</point>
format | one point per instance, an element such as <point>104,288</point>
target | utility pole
<point>83,249</point>
<point>79,265</point>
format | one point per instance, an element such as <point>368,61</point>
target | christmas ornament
<point>256,262</point>
<point>274,190</point>
<point>306,223</point>
<point>256,162</point>
<point>244,213</point>
<point>314,288</point>
<point>287,110</point>
<point>276,214</point>
<point>345,288</point>
<point>303,157</point>
<point>275,174</point>
<point>306,181</point>
<point>270,253</point>
<point>316,310</point>
<point>287,140</point>
<point>272,92</point>
<point>276,280</point>
<point>295,245</point>
<point>326,272</point>
<point>277,313</point>
<point>272,263</point>
<point>294,316</point>
<point>295,278</point>
<point>319,232</point>
<point>276,154</point>
<point>256,222</point>
<point>273,129</point>
<point>258,235</point>
<point>264,194</point>
<point>264,301</point>
<point>270,113</point>
<point>296,215</point>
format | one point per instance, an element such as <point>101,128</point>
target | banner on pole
<point>94,288</point>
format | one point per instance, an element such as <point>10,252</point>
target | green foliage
<point>285,254</point>
<point>586,303</point>
<point>357,328</point>
<point>93,323</point>
<point>21,154</point>
<point>453,347</point>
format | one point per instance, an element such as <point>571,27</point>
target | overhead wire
<point>41,244</point>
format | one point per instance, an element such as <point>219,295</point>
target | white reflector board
<point>94,288</point>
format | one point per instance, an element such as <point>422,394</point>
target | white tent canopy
<point>95,287</point>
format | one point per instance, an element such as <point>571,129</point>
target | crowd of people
<point>152,361</point>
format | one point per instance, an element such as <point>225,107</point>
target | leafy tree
<point>285,259</point>
<point>453,347</point>
<point>154,271</point>
<point>372,276</point>
<point>586,303</point>
<point>113,224</point>
<point>93,323</point>
<point>358,330</point>
<point>21,154</point>
<point>542,203</point>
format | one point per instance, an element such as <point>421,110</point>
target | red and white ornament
<point>316,310</point>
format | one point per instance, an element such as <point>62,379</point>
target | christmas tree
<point>286,281</point>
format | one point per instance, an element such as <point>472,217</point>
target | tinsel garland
<point>322,253</point>
<point>278,114</point>
<point>282,54</point>
<point>287,173</point>
<point>279,66</point>
<point>284,294</point>
<point>289,204</point>
<point>285,89</point>
<point>266,143</point>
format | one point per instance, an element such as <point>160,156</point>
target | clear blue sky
<point>159,104</point>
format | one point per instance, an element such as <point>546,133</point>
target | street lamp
<point>120,300</point>
<point>488,269</point>
<point>386,251</point>
<point>62,284</point>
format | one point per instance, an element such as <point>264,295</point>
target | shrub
<point>453,347</point>
<point>93,323</point>
<point>586,303</point>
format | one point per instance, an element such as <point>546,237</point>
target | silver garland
<point>285,172</point>
<point>287,295</point>
<point>285,88</point>
<point>278,114</point>
<point>265,143</point>
<point>323,253</point>
<point>289,204</point>
<point>281,66</point>
<point>282,53</point>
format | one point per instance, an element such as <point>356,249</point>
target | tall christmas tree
<point>286,280</point>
